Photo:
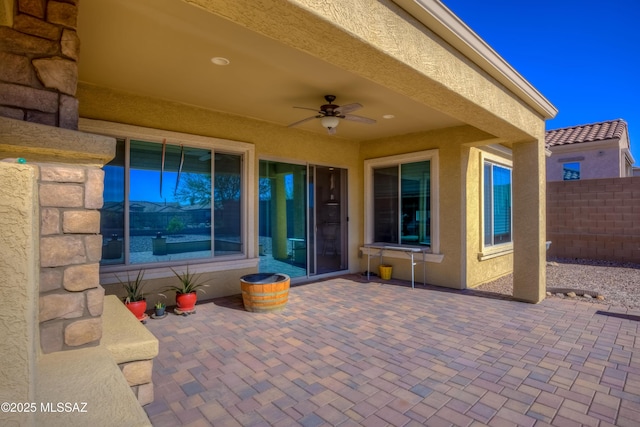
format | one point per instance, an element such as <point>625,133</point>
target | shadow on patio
<point>350,352</point>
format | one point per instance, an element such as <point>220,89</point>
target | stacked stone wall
<point>71,298</point>
<point>39,63</point>
<point>138,375</point>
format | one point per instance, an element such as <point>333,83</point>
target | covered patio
<point>204,120</point>
<point>350,352</point>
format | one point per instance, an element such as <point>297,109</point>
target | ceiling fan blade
<point>348,108</point>
<point>359,119</point>
<point>299,122</point>
<point>307,108</point>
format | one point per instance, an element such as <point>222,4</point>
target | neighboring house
<point>597,150</point>
<point>432,150</point>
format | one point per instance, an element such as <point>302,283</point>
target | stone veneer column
<point>71,298</point>
<point>39,62</point>
<point>69,196</point>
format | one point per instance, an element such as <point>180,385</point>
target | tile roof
<point>586,133</point>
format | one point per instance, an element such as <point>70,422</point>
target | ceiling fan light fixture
<point>330,122</point>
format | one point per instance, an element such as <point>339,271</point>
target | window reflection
<point>112,212</point>
<point>497,204</point>
<point>571,171</point>
<point>227,207</point>
<point>385,204</point>
<point>173,210</point>
<point>402,204</point>
<point>415,190</point>
<point>169,207</point>
<point>282,217</point>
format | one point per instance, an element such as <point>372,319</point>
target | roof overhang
<point>425,68</point>
<point>451,29</point>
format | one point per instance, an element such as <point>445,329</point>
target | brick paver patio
<point>346,352</point>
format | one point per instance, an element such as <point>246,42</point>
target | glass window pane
<point>497,204</point>
<point>571,171</point>
<point>488,203</point>
<point>227,209</point>
<point>385,204</point>
<point>112,212</point>
<point>169,203</point>
<point>282,218</point>
<point>501,205</point>
<point>415,203</point>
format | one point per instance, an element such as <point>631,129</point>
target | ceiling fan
<point>330,114</point>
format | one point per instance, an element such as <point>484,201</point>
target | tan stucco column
<point>18,288</point>
<point>529,221</point>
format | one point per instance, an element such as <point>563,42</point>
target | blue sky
<point>582,55</point>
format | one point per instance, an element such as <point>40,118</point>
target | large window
<point>497,204</point>
<point>402,203</point>
<point>161,203</point>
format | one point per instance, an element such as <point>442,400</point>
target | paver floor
<point>347,352</point>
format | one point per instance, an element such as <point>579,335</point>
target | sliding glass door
<point>283,222</point>
<point>302,219</point>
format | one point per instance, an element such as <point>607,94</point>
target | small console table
<point>411,252</point>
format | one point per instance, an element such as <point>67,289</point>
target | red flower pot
<point>186,302</point>
<point>137,308</point>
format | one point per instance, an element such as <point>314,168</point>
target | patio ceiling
<point>163,49</point>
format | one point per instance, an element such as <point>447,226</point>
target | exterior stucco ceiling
<point>163,49</point>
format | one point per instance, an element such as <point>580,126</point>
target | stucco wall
<point>600,161</point>
<point>459,207</point>
<point>18,286</point>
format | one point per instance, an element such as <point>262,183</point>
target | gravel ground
<point>618,283</point>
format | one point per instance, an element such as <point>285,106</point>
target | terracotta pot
<point>137,308</point>
<point>186,302</point>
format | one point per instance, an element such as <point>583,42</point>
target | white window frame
<point>248,259</point>
<point>420,156</point>
<point>488,252</point>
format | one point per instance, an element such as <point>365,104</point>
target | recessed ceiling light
<point>388,116</point>
<point>218,60</point>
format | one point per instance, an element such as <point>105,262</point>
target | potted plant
<point>160,308</point>
<point>134,299</point>
<point>186,292</point>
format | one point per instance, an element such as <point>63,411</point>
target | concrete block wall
<point>39,56</point>
<point>595,219</point>
<point>71,298</point>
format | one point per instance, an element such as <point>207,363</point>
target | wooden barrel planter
<point>265,292</point>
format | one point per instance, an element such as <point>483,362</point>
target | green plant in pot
<point>187,290</point>
<point>160,308</point>
<point>134,299</point>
